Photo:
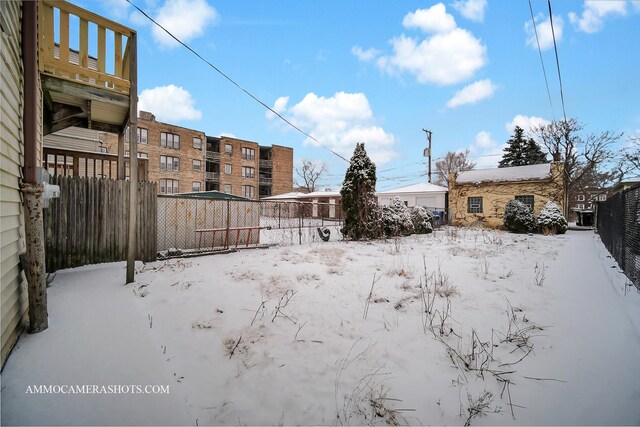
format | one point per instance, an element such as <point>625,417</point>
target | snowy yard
<point>460,325</point>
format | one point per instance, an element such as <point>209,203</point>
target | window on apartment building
<point>580,197</point>
<point>168,186</point>
<point>195,186</point>
<point>169,140</point>
<point>169,163</point>
<point>101,149</point>
<point>196,165</point>
<point>227,168</point>
<point>142,135</point>
<point>474,205</point>
<point>527,200</point>
<point>228,148</point>
<point>227,188</point>
<point>248,172</point>
<point>197,143</point>
<point>247,191</point>
<point>602,197</point>
<point>141,155</point>
<point>580,206</point>
<point>248,153</point>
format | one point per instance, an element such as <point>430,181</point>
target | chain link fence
<point>618,224</point>
<point>194,224</point>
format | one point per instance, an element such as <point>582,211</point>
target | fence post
<point>300,223</point>
<point>279,206</point>
<point>226,239</point>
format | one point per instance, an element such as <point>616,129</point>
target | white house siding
<point>435,201</point>
<point>13,286</point>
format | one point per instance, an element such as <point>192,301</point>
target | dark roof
<point>215,195</point>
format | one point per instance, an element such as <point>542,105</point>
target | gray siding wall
<point>13,285</point>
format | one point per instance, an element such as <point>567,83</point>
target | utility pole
<point>427,151</point>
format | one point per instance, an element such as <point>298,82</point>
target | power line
<point>252,96</point>
<point>544,72</point>
<point>555,47</point>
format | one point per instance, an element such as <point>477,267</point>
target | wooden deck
<point>85,68</point>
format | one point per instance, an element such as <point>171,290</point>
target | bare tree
<point>309,172</point>
<point>630,163</point>
<point>581,155</point>
<point>452,162</point>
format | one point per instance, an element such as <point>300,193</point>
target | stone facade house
<point>480,196</point>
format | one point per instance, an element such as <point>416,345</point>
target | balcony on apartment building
<point>93,92</point>
<point>213,149</point>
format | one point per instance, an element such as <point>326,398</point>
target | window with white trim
<point>195,165</point>
<point>195,186</point>
<point>168,186</point>
<point>248,153</point>
<point>248,172</point>
<point>228,149</point>
<point>227,168</point>
<point>169,163</point>
<point>580,197</point>
<point>227,188</point>
<point>197,143</point>
<point>247,191</point>
<point>169,140</point>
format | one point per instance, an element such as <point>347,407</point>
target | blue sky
<point>380,72</point>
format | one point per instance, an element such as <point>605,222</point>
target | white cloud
<point>365,55</point>
<point>279,106</point>
<point>485,152</point>
<point>442,59</point>
<point>471,9</point>
<point>525,122</point>
<point>185,19</point>
<point>473,93</point>
<point>169,103</point>
<point>432,20</point>
<point>594,12</point>
<point>339,122</point>
<point>545,35</point>
<point>448,56</point>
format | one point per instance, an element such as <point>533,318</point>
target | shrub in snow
<point>518,218</point>
<point>359,201</point>
<point>551,220</point>
<point>396,219</point>
<point>422,220</point>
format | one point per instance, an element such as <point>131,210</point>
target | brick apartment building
<point>244,168</point>
<point>183,160</point>
<point>176,154</point>
<point>586,198</point>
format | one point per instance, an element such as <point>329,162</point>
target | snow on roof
<point>422,187</point>
<point>515,173</point>
<point>321,194</point>
<point>286,196</point>
<point>295,196</point>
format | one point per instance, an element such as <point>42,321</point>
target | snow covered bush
<point>396,219</point>
<point>422,220</point>
<point>518,218</point>
<point>551,220</point>
<point>359,201</point>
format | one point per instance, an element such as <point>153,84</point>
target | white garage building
<point>424,194</point>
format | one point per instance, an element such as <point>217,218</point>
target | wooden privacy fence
<point>88,223</point>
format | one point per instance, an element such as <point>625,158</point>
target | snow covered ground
<point>460,325</point>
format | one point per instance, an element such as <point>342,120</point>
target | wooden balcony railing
<point>58,59</point>
<point>58,161</point>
